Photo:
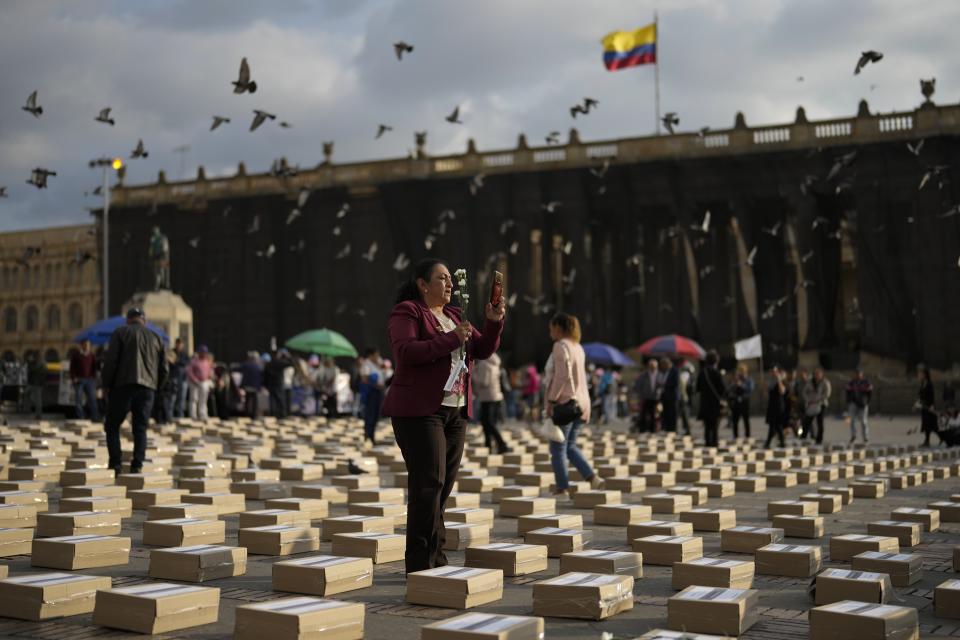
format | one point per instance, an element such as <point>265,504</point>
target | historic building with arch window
<point>49,289</point>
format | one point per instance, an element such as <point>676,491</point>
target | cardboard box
<point>559,541</point>
<point>356,524</point>
<point>624,563</point>
<point>484,626</point>
<point>299,618</point>
<point>946,599</point>
<point>621,514</point>
<point>455,587</point>
<point>15,542</point>
<point>719,488</point>
<point>747,539</point>
<point>799,526</point>
<point>713,572</point>
<point>906,533</point>
<point>204,485</point>
<point>863,621</point>
<point>667,503</point>
<point>270,517</point>
<point>845,493</point>
<point>479,484</point>
<point>376,494</point>
<point>516,507</point>
<point>197,563</point>
<point>80,552</point>
<point>750,484</point>
<point>665,550</point>
<point>525,524</point>
<point>790,507</point>
<point>826,502</point>
<point>322,575</point>
<point>929,518</point>
<point>16,516</point>
<point>499,494</point>
<point>121,506</point>
<point>157,607</point>
<point>903,568</point>
<point>77,477</point>
<point>835,585</point>
<point>143,498</point>
<point>181,532</point>
<point>469,516</point>
<point>332,494</point>
<point>37,499</point>
<point>379,547</point>
<point>697,495</point>
<point>314,508</point>
<point>872,490</point>
<point>665,634</point>
<point>949,511</point>
<point>182,510</point>
<point>591,596</point>
<point>41,596</point>
<point>591,498</point>
<point>279,540</point>
<point>781,479</point>
<point>713,610</point>
<point>226,503</point>
<point>142,481</point>
<point>799,561</point>
<point>658,528</point>
<point>626,484</point>
<point>472,500</point>
<point>95,491</point>
<point>460,535</point>
<point>710,519</point>
<point>513,559</point>
<point>75,523</point>
<point>844,547</point>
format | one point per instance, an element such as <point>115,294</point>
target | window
<point>51,355</point>
<point>36,277</point>
<point>32,318</point>
<point>49,276</point>
<point>10,320</point>
<point>71,273</point>
<point>6,278</point>
<point>57,275</point>
<point>53,318</point>
<point>75,316</point>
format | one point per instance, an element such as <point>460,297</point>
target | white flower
<point>465,296</point>
<point>462,283</point>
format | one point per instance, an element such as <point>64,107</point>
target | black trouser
<point>740,410</point>
<point>330,404</point>
<point>251,401</point>
<point>710,431</point>
<point>432,447</point>
<point>648,415</point>
<point>489,417</point>
<point>278,402</point>
<point>807,422</point>
<point>138,401</point>
<point>775,428</point>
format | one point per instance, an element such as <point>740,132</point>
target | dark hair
<point>712,358</point>
<point>423,270</point>
<point>568,325</point>
<point>370,351</point>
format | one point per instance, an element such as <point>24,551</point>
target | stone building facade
<point>49,289</point>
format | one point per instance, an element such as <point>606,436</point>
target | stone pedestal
<point>168,311</point>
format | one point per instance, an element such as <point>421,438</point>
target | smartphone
<point>496,289</point>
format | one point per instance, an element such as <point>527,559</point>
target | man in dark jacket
<point>710,385</point>
<point>133,369</point>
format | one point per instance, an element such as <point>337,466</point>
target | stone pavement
<point>784,601</point>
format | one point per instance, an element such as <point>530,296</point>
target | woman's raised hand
<point>496,313</point>
<point>464,330</point>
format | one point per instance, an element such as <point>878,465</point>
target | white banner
<point>749,348</point>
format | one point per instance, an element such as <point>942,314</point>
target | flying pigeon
<point>454,117</point>
<point>243,82</point>
<point>343,252</point>
<point>254,224</point>
<point>38,177</point>
<point>371,254</point>
<point>401,48</point>
<point>915,148</point>
<point>476,183</point>
<point>670,120</point>
<point>301,294</point>
<point>194,242</point>
<point>285,125</point>
<point>139,152</point>
<point>552,206</point>
<point>343,211</point>
<point>506,225</point>
<point>382,129</point>
<point>578,108</point>
<point>805,257</point>
<point>302,197</point>
<point>3,192</point>
<point>601,172</point>
<point>751,256</point>
<point>840,164</point>
<point>104,117</point>
<point>774,230</point>
<point>553,138</point>
<point>705,225</point>
<point>32,105</point>
<point>401,263</point>
<point>866,58</point>
<point>217,121</point>
<point>293,215</point>
<point>259,118</point>
<point>28,253</point>
<point>268,252</point>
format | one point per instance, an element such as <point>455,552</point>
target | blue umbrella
<point>100,332</point>
<point>606,355</point>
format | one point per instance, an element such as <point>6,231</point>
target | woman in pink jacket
<point>568,381</point>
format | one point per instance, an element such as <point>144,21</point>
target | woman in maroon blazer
<point>429,406</point>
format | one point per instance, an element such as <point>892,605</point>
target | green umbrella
<point>323,341</point>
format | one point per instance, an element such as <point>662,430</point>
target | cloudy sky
<point>328,68</point>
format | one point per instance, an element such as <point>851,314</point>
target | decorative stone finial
<point>801,116</point>
<point>201,173</point>
<point>863,109</point>
<point>574,136</point>
<point>471,146</point>
<point>739,122</point>
<point>162,177</point>
<point>328,152</point>
<point>522,142</point>
<point>241,170</point>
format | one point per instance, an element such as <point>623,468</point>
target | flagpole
<point>656,68</point>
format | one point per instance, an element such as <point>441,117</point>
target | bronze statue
<point>160,256</point>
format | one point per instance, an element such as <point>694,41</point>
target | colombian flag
<point>624,49</point>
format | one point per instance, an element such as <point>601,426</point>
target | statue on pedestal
<point>159,253</point>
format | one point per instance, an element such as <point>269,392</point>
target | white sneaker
<point>596,482</point>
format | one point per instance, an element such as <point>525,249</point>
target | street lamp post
<point>116,164</point>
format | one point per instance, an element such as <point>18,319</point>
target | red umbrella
<point>670,345</point>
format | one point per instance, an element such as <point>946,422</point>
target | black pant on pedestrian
<point>371,413</point>
<point>136,400</point>
<point>648,415</point>
<point>278,402</point>
<point>775,428</point>
<point>432,447</point>
<point>710,431</point>
<point>738,411</point>
<point>489,417</point>
<point>251,401</point>
<point>819,420</point>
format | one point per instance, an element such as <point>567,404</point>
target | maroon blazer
<point>422,355</point>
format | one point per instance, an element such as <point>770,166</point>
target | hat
<point>203,349</point>
<point>134,312</point>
